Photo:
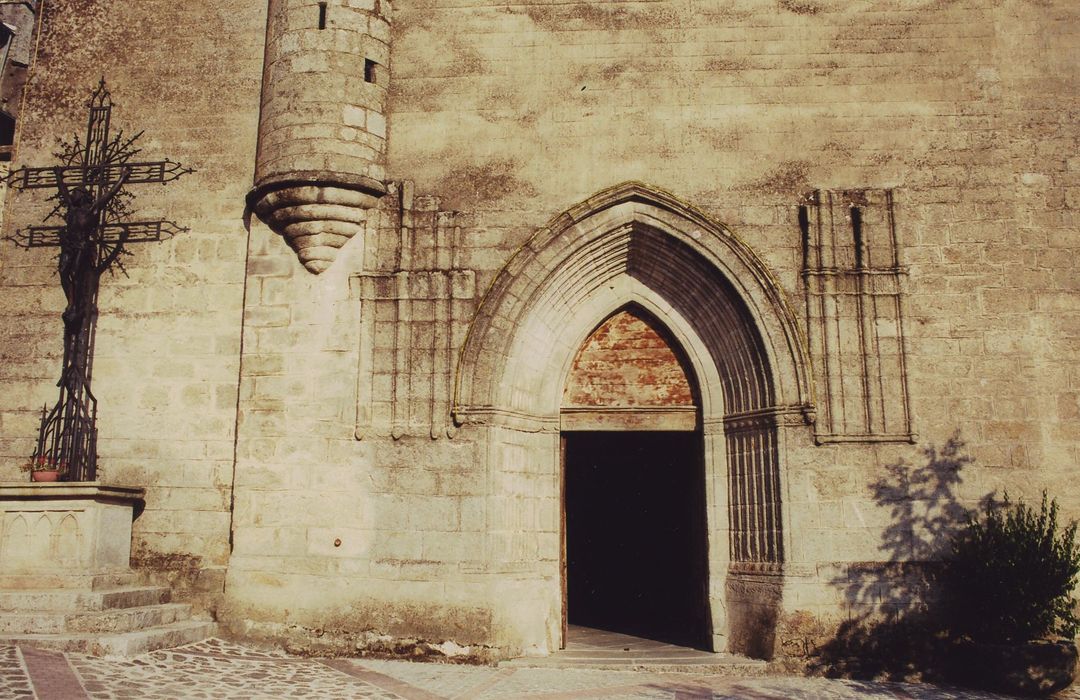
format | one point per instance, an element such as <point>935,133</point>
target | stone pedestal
<point>65,533</point>
<point>65,576</point>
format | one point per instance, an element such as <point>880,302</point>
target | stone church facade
<point>439,251</point>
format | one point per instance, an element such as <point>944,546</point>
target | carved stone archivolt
<point>626,243</point>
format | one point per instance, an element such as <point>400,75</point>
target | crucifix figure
<point>79,265</point>
<point>91,199</point>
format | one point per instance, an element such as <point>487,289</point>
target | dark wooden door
<point>635,534</point>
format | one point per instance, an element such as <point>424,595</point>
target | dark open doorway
<point>636,559</point>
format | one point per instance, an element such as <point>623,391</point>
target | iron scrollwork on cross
<point>92,199</point>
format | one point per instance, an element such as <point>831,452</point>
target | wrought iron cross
<point>92,201</point>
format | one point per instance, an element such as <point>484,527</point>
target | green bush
<point>1010,575</point>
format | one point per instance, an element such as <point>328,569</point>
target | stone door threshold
<point>602,649</point>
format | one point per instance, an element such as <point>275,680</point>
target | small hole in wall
<point>369,70</point>
<point>322,15</point>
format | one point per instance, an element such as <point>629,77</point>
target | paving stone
<point>14,682</point>
<point>51,675</point>
<point>447,680</point>
<point>219,670</point>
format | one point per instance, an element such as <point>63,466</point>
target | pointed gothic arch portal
<point>636,247</point>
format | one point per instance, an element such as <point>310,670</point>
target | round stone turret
<point>322,128</point>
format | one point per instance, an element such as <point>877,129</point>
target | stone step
<point>719,665</point>
<point>58,599</point>
<point>61,579</point>
<point>101,621</point>
<point>118,644</point>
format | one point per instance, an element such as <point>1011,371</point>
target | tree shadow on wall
<point>896,629</point>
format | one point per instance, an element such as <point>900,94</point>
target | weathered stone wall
<point>963,108</point>
<point>361,510</point>
<point>168,340</point>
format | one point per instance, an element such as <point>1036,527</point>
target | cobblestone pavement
<point>218,669</point>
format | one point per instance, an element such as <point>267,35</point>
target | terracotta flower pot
<point>1027,668</point>
<point>45,475</point>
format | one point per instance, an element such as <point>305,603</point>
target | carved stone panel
<point>854,316</point>
<point>414,318</point>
